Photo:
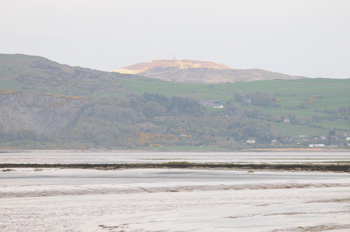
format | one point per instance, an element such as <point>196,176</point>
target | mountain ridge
<point>194,71</point>
<point>181,64</point>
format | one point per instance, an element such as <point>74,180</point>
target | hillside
<point>193,71</point>
<point>38,113</point>
<point>39,75</point>
<point>44,104</point>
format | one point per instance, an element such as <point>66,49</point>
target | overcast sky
<point>298,37</point>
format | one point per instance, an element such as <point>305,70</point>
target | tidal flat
<point>173,199</point>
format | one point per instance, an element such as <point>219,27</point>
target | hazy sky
<point>297,37</point>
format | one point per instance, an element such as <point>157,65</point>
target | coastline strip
<point>281,167</point>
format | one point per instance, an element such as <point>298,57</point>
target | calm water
<point>29,176</point>
<point>147,157</point>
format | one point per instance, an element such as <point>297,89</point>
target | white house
<point>250,141</point>
<point>316,145</point>
<point>218,106</point>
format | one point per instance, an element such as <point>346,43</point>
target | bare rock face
<point>39,113</point>
<point>179,64</point>
<point>199,72</point>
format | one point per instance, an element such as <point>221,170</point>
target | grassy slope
<point>326,94</point>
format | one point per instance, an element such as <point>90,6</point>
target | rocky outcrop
<point>38,113</point>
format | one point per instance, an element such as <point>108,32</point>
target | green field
<point>327,93</point>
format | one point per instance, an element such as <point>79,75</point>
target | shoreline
<point>174,151</point>
<point>186,165</point>
<point>299,150</point>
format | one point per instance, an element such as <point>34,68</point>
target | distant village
<point>332,140</point>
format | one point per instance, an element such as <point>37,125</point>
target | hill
<point>40,75</point>
<point>180,64</point>
<point>199,72</point>
<point>44,104</point>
